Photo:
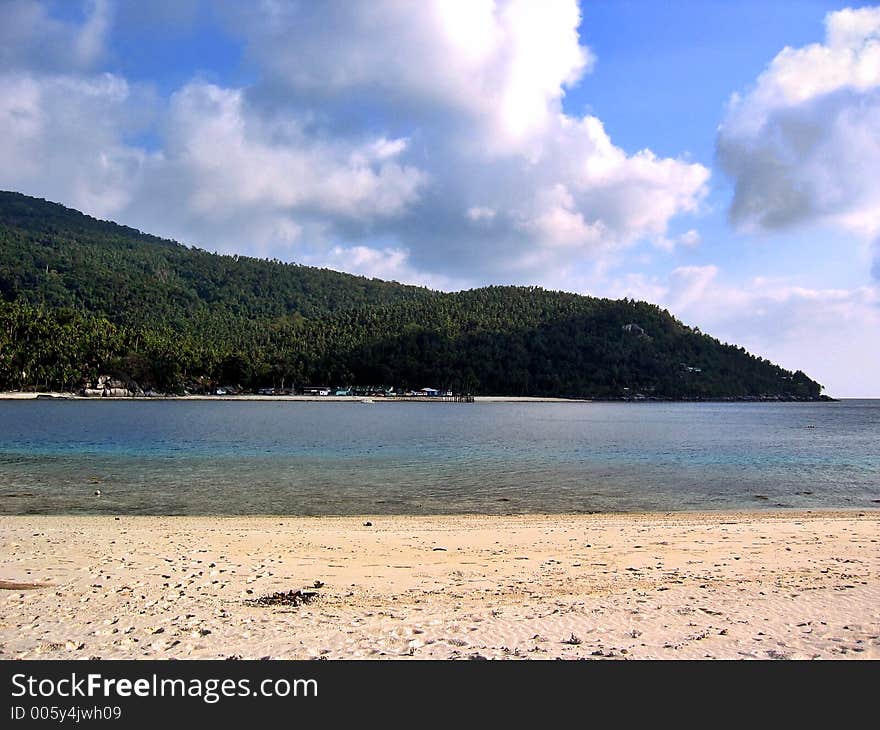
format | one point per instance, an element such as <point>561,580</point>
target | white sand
<point>788,585</point>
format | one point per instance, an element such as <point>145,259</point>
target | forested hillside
<point>80,298</point>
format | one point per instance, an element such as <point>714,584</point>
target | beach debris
<point>97,492</point>
<point>761,496</point>
<point>13,585</point>
<point>368,524</point>
<point>19,494</point>
<point>776,654</point>
<point>573,640</point>
<point>282,598</point>
<point>318,584</point>
<point>438,549</point>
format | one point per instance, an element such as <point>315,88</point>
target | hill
<point>80,298</point>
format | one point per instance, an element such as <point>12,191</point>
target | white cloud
<point>382,263</point>
<point>30,38</point>
<point>688,286</point>
<point>236,159</point>
<point>690,238</point>
<point>557,222</point>
<point>451,143</point>
<point>506,62</point>
<point>480,213</point>
<point>366,261</point>
<point>803,145</point>
<point>477,87</point>
<point>223,178</point>
<point>63,138</point>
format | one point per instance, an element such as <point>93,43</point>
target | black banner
<point>133,693</point>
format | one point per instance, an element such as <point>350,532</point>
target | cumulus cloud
<point>449,145</point>
<point>383,263</point>
<point>262,184</point>
<point>803,144</point>
<point>504,63</point>
<point>236,158</point>
<point>64,138</point>
<point>223,177</point>
<point>517,187</point>
<point>30,38</point>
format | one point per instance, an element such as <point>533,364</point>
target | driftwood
<point>12,585</point>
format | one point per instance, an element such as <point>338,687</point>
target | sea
<point>339,458</point>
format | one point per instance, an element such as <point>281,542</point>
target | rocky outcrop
<point>107,387</point>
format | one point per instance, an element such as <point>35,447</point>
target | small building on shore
<point>316,390</point>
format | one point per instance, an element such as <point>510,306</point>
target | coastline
<point>647,585</point>
<point>252,397</point>
<point>54,395</point>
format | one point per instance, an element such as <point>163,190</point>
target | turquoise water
<point>226,457</point>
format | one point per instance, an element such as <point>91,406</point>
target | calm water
<point>351,458</point>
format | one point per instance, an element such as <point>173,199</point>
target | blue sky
<point>664,74</point>
<point>714,157</point>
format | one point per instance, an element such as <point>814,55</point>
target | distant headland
<point>93,308</point>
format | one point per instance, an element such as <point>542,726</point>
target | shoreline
<point>768,584</point>
<point>253,397</point>
<point>769,513</point>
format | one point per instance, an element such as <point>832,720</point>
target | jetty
<point>460,398</point>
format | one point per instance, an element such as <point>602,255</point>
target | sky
<point>717,158</point>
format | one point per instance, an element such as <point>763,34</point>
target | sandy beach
<point>744,585</point>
